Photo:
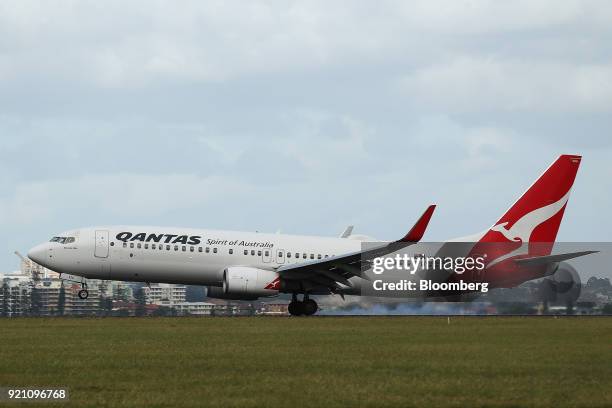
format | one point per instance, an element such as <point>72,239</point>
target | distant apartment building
<point>15,292</point>
<point>116,290</point>
<point>48,293</point>
<point>164,294</point>
<point>34,270</point>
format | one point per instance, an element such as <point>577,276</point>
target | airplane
<point>247,265</point>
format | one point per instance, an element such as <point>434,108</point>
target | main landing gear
<point>83,293</point>
<point>306,307</point>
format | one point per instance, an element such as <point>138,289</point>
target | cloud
<point>138,43</point>
<point>304,116</point>
<point>117,195</point>
<point>490,84</point>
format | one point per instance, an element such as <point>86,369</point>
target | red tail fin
<point>536,216</point>
<point>529,228</point>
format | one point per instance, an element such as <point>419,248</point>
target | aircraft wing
<point>329,272</point>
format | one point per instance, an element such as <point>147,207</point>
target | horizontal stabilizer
<point>543,260</point>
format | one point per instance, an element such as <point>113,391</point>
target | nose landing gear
<point>83,293</point>
<point>306,307</point>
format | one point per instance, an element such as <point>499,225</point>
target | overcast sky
<point>304,117</point>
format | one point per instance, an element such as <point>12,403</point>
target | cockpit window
<point>63,240</point>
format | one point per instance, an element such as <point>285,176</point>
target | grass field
<point>314,362</point>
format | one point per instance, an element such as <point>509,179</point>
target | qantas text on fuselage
<point>126,236</point>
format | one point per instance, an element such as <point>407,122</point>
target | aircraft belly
<point>164,271</point>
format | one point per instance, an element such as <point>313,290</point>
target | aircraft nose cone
<point>38,254</point>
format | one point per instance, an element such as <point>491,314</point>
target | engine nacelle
<point>216,292</point>
<point>563,286</point>
<point>245,282</point>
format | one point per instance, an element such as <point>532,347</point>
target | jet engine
<point>216,292</point>
<point>246,283</point>
<point>563,286</point>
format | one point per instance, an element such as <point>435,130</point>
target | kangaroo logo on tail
<point>522,229</point>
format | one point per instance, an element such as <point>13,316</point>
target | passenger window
<point>319,256</point>
<point>125,244</point>
<point>246,251</point>
<point>176,247</point>
<point>231,251</point>
<point>258,253</point>
<point>131,245</point>
<point>207,250</point>
<point>267,253</point>
<point>191,249</point>
<point>138,245</point>
<point>305,255</point>
<point>199,249</point>
<point>146,246</point>
<point>184,248</point>
<point>327,256</point>
<point>167,247</point>
<point>153,246</point>
<point>252,252</point>
<point>214,250</point>
<point>311,256</point>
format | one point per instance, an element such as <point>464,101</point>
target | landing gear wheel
<point>83,294</point>
<point>296,308</point>
<point>309,307</point>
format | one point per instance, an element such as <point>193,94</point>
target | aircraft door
<point>101,249</point>
<point>280,256</point>
<point>266,255</point>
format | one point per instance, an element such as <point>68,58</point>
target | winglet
<point>347,232</point>
<point>418,230</point>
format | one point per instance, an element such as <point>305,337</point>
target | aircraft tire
<point>296,308</point>
<point>310,307</point>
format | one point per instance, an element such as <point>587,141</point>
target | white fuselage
<point>171,255</point>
